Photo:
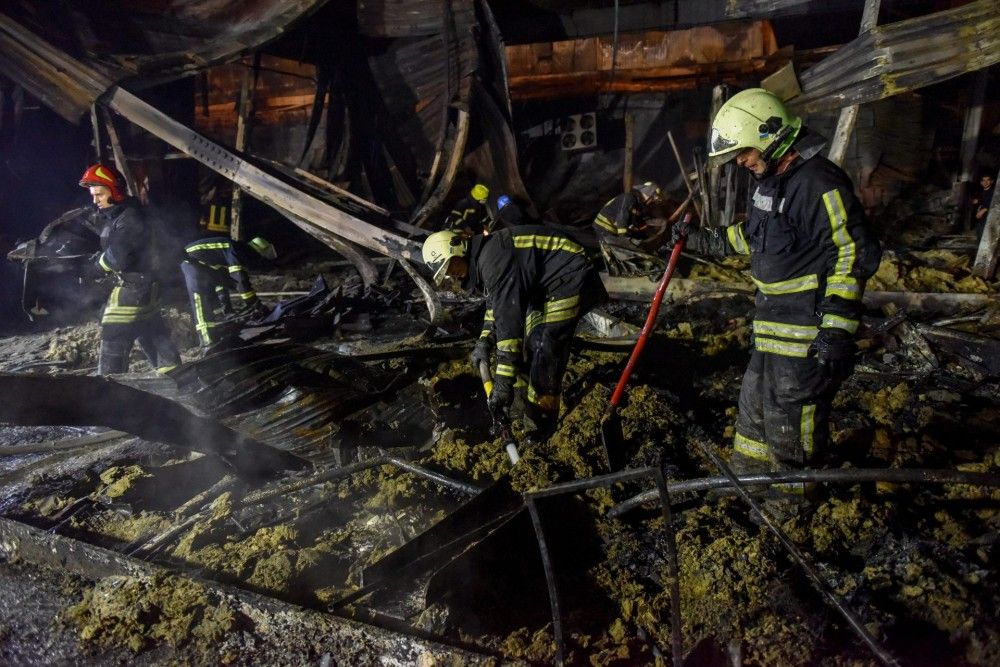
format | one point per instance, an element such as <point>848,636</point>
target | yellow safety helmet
<point>753,118</point>
<point>480,193</point>
<point>649,193</point>
<point>264,247</point>
<point>438,250</point>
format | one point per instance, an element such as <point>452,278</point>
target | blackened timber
<point>989,245</point>
<point>257,182</point>
<point>37,400</point>
<point>904,56</point>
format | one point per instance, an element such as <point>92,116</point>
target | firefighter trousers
<point>133,314</point>
<point>784,412</point>
<point>209,297</point>
<point>547,347</point>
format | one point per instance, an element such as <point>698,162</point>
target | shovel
<point>611,426</point>
<point>501,425</point>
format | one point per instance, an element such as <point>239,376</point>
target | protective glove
<point>481,352</point>
<point>500,401</point>
<point>834,349</point>
<point>681,229</point>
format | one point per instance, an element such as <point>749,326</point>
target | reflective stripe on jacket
<point>811,250</point>
<point>524,268</point>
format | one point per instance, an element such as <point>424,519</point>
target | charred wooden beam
<point>904,56</point>
<point>36,400</point>
<point>989,245</point>
<point>646,62</point>
<point>642,289</point>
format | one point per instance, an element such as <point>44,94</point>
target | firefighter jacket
<point>522,269</point>
<point>125,240</point>
<point>618,217</point>
<point>127,253</point>
<point>468,214</point>
<point>811,250</point>
<point>226,258</point>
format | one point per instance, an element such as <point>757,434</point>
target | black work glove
<point>682,229</point>
<point>834,349</point>
<point>500,401</point>
<point>481,352</point>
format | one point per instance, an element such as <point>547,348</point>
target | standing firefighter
<point>133,309</point>
<point>811,250</point>
<point>538,283</point>
<point>620,227</point>
<point>213,271</point>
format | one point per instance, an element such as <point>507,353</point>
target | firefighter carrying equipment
<point>133,308</point>
<point>753,118</point>
<point>538,283</point>
<point>439,248</point>
<point>109,177</point>
<point>214,271</point>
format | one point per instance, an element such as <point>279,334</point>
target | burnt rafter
<point>42,400</point>
<point>904,56</point>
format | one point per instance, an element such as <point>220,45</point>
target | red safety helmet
<point>108,176</point>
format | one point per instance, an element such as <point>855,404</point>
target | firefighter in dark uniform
<point>538,283</point>
<point>471,214</point>
<point>214,272</point>
<point>132,312</point>
<point>811,251</point>
<point>619,228</point>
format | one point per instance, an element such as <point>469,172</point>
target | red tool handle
<point>647,328</point>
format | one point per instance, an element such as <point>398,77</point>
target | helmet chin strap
<point>768,154</point>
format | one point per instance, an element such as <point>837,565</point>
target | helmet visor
<point>721,144</point>
<point>440,271</point>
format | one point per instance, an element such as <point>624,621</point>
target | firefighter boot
<point>540,423</point>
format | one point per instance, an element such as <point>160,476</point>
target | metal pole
<point>824,589</point>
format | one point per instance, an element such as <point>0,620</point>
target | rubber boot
<point>114,357</point>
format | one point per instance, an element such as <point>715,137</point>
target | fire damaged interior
<point>426,332</point>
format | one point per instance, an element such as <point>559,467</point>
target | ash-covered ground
<point>916,563</point>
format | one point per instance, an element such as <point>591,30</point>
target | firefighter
<point>127,252</point>
<point>538,283</point>
<point>620,227</point>
<point>471,214</point>
<point>213,271</point>
<point>811,250</point>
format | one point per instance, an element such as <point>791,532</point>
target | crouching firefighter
<point>811,251</point>
<point>132,312</point>
<point>538,283</point>
<point>621,227</point>
<point>214,273</point>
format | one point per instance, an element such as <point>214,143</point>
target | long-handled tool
<point>611,426</point>
<point>501,425</point>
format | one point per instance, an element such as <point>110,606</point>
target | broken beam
<point>642,289</point>
<point>39,400</point>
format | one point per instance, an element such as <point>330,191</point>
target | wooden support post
<point>244,124</point>
<point>95,126</point>
<point>628,178</point>
<point>849,115</point>
<point>121,161</point>
<point>684,174</point>
<point>713,185</point>
<point>989,245</point>
<point>970,142</point>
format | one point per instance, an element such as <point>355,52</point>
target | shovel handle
<point>647,328</point>
<point>486,377</point>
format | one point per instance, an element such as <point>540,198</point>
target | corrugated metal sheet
<point>425,69</point>
<point>904,56</point>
